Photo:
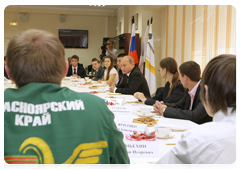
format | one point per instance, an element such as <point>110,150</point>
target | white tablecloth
<point>163,143</point>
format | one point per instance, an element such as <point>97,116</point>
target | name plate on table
<point>114,101</point>
<point>128,128</point>
<point>140,149</point>
<point>121,109</point>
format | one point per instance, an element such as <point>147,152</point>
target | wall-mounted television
<point>73,38</point>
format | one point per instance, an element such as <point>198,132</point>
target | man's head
<point>119,58</point>
<point>110,44</point>
<point>95,64</point>
<point>127,64</point>
<point>75,60</point>
<point>189,71</point>
<point>218,84</point>
<point>36,56</point>
<point>69,60</point>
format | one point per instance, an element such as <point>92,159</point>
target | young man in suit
<point>99,70</point>
<point>190,106</point>
<point>133,80</point>
<point>76,69</point>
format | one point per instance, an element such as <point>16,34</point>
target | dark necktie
<point>126,79</point>
<point>74,71</point>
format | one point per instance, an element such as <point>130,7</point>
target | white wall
<point>46,19</point>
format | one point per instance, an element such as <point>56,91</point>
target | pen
<point>170,143</point>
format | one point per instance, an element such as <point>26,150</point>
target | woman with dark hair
<point>110,73</point>
<point>213,142</point>
<point>173,90</point>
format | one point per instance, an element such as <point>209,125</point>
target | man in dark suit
<point>132,80</point>
<point>120,72</point>
<point>76,69</point>
<point>5,73</point>
<point>99,70</point>
<point>189,107</point>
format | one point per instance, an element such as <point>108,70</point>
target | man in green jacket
<point>47,124</point>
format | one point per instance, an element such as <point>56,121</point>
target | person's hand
<point>93,78</point>
<point>158,107</point>
<point>140,96</point>
<point>111,83</point>
<point>136,95</point>
<point>111,89</point>
<point>99,81</point>
<point>107,48</point>
<point>74,75</point>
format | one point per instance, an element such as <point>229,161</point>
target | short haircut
<point>4,58</point>
<point>111,40</point>
<point>35,56</point>
<point>122,55</point>
<point>69,57</point>
<point>75,57</point>
<point>220,77</point>
<point>94,59</point>
<point>130,59</point>
<point>191,69</point>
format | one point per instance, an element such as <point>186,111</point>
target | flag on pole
<point>143,52</point>
<point>150,72</point>
<point>132,45</point>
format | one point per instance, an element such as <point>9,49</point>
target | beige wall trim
<point>193,31</point>
<point>216,30</point>
<point>204,48</point>
<point>229,29</point>
<point>166,53</point>
<point>183,33</point>
<point>175,32</point>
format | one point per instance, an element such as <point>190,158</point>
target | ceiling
<point>107,10</point>
<point>68,7</point>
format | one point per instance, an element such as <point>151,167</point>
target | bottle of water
<point>92,71</point>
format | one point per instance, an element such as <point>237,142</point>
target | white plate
<point>152,111</point>
<point>101,91</point>
<point>176,127</point>
<point>167,137</point>
<point>141,115</point>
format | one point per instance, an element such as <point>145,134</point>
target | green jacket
<point>45,123</point>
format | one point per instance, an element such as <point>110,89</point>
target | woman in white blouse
<point>110,73</point>
<point>213,142</point>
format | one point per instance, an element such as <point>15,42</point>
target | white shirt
<point>210,143</point>
<point>192,94</point>
<point>112,71</point>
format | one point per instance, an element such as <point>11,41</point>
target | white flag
<point>143,52</point>
<point>150,72</point>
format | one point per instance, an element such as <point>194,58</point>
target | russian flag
<point>132,45</point>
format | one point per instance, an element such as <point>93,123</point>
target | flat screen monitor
<point>74,38</point>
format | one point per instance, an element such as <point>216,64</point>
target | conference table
<point>164,144</point>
